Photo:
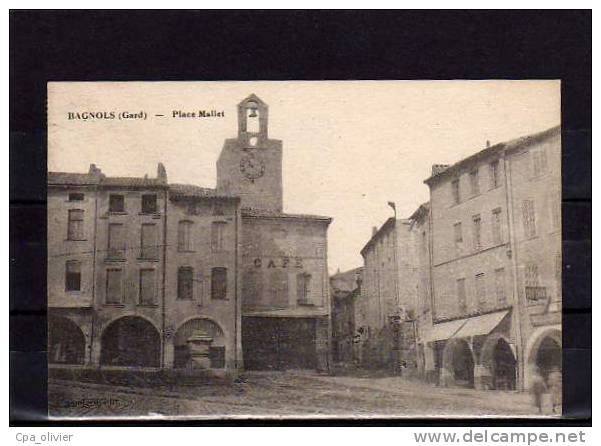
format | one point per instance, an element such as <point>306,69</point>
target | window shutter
<point>147,286</point>
<point>113,286</point>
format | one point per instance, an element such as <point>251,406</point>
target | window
<point>76,196</point>
<point>500,286</point>
<point>531,275</point>
<point>184,230</point>
<point>480,291</point>
<point>113,286</point>
<point>219,283</point>
<point>477,232</point>
<point>149,204</point>
<point>148,243</point>
<point>116,240</point>
<point>147,287</point>
<point>458,233</point>
<point>217,236</point>
<point>534,292</point>
<point>455,190</point>
<point>461,297</point>
<point>303,287</point>
<point>116,203</point>
<point>529,218</point>
<point>493,171</point>
<point>458,237</point>
<point>75,225</point>
<point>72,276</point>
<point>253,287</point>
<point>278,291</point>
<point>185,283</point>
<point>474,182</point>
<point>539,162</point>
<point>497,236</point>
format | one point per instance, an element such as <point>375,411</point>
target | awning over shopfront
<point>462,328</point>
<point>481,325</point>
<point>445,330</point>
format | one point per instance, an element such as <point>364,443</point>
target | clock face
<point>252,167</point>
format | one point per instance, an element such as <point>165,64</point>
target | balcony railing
<point>536,293</point>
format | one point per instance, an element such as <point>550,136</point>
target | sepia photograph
<point>304,249</point>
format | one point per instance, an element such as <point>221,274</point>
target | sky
<point>349,146</point>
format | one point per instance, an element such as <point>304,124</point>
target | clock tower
<point>250,166</point>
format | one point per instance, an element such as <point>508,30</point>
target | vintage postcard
<point>351,249</point>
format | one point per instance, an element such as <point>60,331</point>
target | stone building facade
<point>126,286</point>
<point>471,269</point>
<point>345,289</point>
<point>389,297</point>
<point>496,264</point>
<point>534,174</point>
<point>203,275</point>
<point>420,230</point>
<point>285,295</point>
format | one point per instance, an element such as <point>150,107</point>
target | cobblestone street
<point>286,394</point>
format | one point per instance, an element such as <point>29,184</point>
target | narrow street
<point>290,394</point>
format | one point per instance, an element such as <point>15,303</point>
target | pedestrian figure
<point>554,381</point>
<point>537,389</point>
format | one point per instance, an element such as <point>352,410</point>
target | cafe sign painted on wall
<point>280,262</point>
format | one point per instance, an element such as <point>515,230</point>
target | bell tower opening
<point>252,120</point>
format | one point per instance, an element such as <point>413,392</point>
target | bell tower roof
<point>252,98</point>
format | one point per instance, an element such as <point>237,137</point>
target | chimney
<point>374,229</point>
<point>487,143</point>
<point>438,168</point>
<point>95,171</point>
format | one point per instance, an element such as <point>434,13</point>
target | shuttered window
<point>113,286</point>
<point>455,191</point>
<point>149,244</point>
<point>217,236</point>
<point>474,182</point>
<point>500,286</point>
<point>481,291</point>
<point>73,276</point>
<point>477,232</point>
<point>493,172</point>
<point>461,296</point>
<point>497,236</point>
<point>303,287</point>
<point>149,204</point>
<point>219,283</point>
<point>116,203</point>
<point>147,287</point>
<point>184,232</point>
<point>116,246</point>
<point>75,225</point>
<point>529,218</point>
<point>185,283</point>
